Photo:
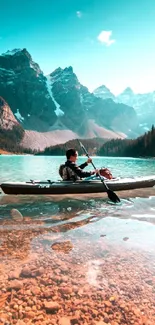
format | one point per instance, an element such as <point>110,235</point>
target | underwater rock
<point>64,247</point>
<point>16,215</point>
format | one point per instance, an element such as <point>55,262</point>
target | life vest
<point>67,174</point>
<point>61,168</point>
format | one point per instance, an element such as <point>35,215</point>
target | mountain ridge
<point>58,101</point>
<point>143,103</point>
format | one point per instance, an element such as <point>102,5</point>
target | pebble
<point>51,306</point>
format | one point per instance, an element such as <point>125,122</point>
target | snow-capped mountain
<point>144,104</point>
<point>23,86</point>
<point>59,101</point>
<point>103,92</point>
<point>77,105</point>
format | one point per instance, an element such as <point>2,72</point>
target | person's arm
<point>79,172</point>
<point>82,166</point>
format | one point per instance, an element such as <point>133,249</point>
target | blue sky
<point>110,42</point>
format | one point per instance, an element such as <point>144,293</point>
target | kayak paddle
<point>112,196</point>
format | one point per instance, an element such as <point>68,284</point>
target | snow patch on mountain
<point>9,82</point>
<point>81,98</point>
<point>58,111</point>
<point>8,71</point>
<point>19,116</point>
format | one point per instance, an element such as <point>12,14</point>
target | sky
<point>107,42</point>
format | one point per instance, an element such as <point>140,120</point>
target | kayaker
<point>70,171</point>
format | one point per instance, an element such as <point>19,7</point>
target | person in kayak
<point>70,171</point>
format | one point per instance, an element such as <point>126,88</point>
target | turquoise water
<point>23,168</point>
<point>83,245</point>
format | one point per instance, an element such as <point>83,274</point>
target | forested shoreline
<point>143,146</point>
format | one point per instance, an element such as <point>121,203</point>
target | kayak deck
<point>78,187</point>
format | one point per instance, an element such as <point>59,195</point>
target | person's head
<point>72,155</point>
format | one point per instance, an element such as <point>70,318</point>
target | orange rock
<point>112,299</point>
<point>64,321</point>
<point>14,275</point>
<point>26,272</point>
<point>15,284</point>
<point>51,306</point>
<point>35,291</point>
<point>30,314</point>
<point>107,303</point>
<point>66,290</point>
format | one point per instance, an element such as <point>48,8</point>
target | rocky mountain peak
<point>18,59</point>
<point>68,70</point>
<point>64,76</point>
<point>76,105</point>
<point>144,105</point>
<point>12,52</point>
<point>102,87</point>
<point>24,87</point>
<point>103,92</point>
<point>56,72</point>
<point>39,102</point>
<point>128,91</point>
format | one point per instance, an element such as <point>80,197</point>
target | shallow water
<point>77,259</point>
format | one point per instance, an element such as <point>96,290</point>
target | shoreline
<point>4,152</point>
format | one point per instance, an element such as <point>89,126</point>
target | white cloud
<point>104,37</point>
<point>79,14</point>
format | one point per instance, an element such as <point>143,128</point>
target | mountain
<point>103,92</point>
<point>144,104</point>
<point>77,106</point>
<point>11,132</point>
<point>23,86</point>
<point>50,108</point>
<point>126,97</point>
<point>41,140</point>
<point>7,119</point>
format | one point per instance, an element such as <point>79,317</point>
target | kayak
<point>34,187</point>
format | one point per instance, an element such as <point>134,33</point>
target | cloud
<point>104,37</point>
<point>79,14</point>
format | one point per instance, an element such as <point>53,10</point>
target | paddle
<point>112,196</point>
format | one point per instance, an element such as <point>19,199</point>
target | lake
<point>78,259</point>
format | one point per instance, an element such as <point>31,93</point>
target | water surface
<point>77,259</point>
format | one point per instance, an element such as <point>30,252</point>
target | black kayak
<point>33,187</point>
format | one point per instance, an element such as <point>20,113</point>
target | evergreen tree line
<point>10,140</point>
<point>143,146</point>
<point>92,145</point>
